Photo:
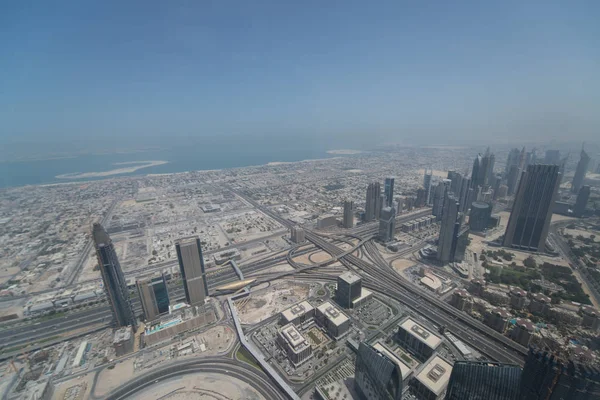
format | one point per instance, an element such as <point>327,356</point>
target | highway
<point>225,366</point>
<point>381,276</point>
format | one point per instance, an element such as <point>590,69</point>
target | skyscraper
<point>427,186</point>
<point>387,224</point>
<point>154,296</point>
<point>475,380</point>
<point>489,160</point>
<point>480,216</point>
<point>512,179</point>
<point>348,214</point>
<point>115,285</point>
<point>464,196</point>
<point>552,157</point>
<point>478,172</point>
<point>547,377</point>
<point>449,229</point>
<point>376,376</point>
<point>532,209</point>
<point>582,199</point>
<point>514,157</point>
<point>582,167</point>
<point>438,198</point>
<point>371,206</point>
<point>349,288</point>
<point>191,265</point>
<point>389,191</point>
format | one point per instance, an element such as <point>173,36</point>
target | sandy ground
<point>85,382</point>
<point>319,257</point>
<point>585,234</point>
<point>110,379</point>
<point>7,273</point>
<point>199,386</point>
<point>262,305</point>
<point>440,174</point>
<point>135,165</point>
<point>88,273</point>
<point>401,264</point>
<point>558,217</point>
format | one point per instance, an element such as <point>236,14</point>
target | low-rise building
<point>298,313</point>
<point>539,303</point>
<point>326,221</point>
<point>522,331</point>
<point>298,349</point>
<point>335,322</point>
<point>517,298</point>
<point>462,300</point>
<point>564,316</point>
<point>495,296</point>
<point>498,319</point>
<point>431,382</point>
<point>417,338</point>
<point>123,341</point>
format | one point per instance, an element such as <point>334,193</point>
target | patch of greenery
<point>243,355</point>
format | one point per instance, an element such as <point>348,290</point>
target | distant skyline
<point>126,75</point>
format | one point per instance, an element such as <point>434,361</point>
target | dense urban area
<point>401,273</point>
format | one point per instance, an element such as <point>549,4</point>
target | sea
<point>180,158</point>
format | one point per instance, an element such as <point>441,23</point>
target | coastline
<point>117,171</point>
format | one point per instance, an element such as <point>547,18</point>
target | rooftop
<point>122,335</point>
<point>364,293</point>
<point>350,277</point>
<point>422,334</point>
<point>293,337</point>
<point>297,310</point>
<point>405,370</point>
<point>333,313</point>
<point>435,375</point>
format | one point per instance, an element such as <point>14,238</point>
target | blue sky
<point>394,71</point>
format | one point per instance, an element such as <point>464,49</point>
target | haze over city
<point>303,201</point>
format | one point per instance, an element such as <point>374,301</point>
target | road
<point>227,367</point>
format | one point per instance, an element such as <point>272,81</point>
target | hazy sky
<point>399,71</point>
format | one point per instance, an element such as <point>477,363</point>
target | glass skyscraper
<point>474,380</point>
<point>115,285</point>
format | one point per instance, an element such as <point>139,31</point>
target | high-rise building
<point>552,157</point>
<point>427,186</point>
<point>376,376</point>
<point>387,224</point>
<point>348,214</point>
<point>389,191</point>
<point>582,167</point>
<point>448,228</point>
<point>532,209</point>
<point>547,377</point>
<point>582,200</point>
<point>478,172</point>
<point>349,288</point>
<point>191,265</point>
<point>476,380</point>
<point>489,160</point>
<point>371,206</point>
<point>297,234</point>
<point>512,179</point>
<point>421,199</point>
<point>380,205</point>
<point>514,158</point>
<point>464,194</point>
<point>438,198</point>
<point>115,285</point>
<point>154,296</point>
<point>480,216</point>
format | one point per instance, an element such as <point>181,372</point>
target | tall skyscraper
<point>191,265</point>
<point>371,206</point>
<point>514,157</point>
<point>427,186</point>
<point>438,197</point>
<point>552,157</point>
<point>547,377</point>
<point>387,224</point>
<point>532,209</point>
<point>476,380</point>
<point>512,179</point>
<point>421,199</point>
<point>582,167</point>
<point>376,376</point>
<point>449,229</point>
<point>389,191</point>
<point>115,285</point>
<point>348,214</point>
<point>456,180</point>
<point>380,205</point>
<point>489,160</point>
<point>582,198</point>
<point>478,172</point>
<point>154,296</point>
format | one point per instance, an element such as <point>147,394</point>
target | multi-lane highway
<point>381,276</point>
